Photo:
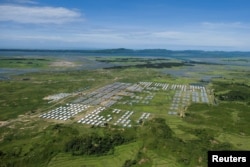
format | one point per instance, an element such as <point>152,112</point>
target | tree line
<point>95,144</point>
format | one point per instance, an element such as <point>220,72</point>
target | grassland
<point>164,140</point>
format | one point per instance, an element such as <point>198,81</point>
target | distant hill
<point>140,52</point>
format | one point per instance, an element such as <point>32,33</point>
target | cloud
<point>24,1</point>
<point>168,35</point>
<point>114,38</point>
<point>221,36</point>
<point>223,25</point>
<point>38,15</point>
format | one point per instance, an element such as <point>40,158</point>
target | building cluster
<point>143,117</point>
<point>94,118</point>
<point>124,120</point>
<point>105,97</point>
<point>64,112</point>
<point>185,95</point>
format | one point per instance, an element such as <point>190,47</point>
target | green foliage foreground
<point>94,144</point>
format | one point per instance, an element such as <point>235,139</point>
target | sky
<point>134,24</point>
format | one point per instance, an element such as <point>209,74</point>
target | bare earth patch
<point>3,123</point>
<point>63,64</point>
<point>143,160</point>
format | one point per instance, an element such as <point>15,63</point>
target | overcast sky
<point>135,24</point>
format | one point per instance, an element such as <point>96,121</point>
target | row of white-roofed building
<point>204,97</point>
<point>64,113</point>
<point>124,120</point>
<point>182,98</point>
<point>94,118</point>
<point>135,88</point>
<point>106,93</point>
<point>197,87</point>
<point>195,97</point>
<point>178,87</point>
<point>117,111</point>
<point>146,84</point>
<point>163,85</point>
<point>144,116</point>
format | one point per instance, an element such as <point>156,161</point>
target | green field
<point>159,141</point>
<point>120,155</point>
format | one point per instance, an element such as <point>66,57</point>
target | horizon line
<point>99,49</point>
